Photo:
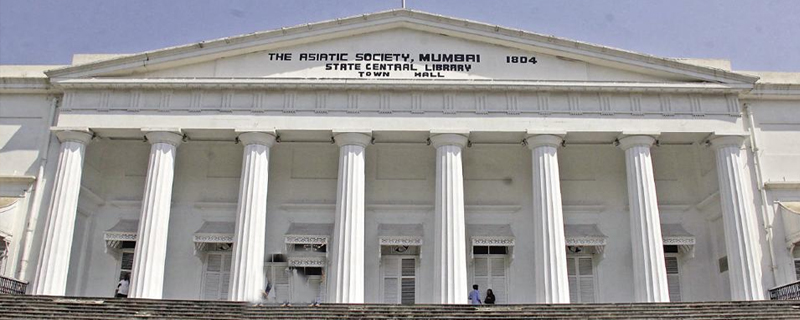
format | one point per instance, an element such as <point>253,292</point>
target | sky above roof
<point>754,35</point>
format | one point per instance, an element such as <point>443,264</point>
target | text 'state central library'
<point>400,157</point>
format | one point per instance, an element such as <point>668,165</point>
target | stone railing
<point>12,286</point>
<point>786,292</point>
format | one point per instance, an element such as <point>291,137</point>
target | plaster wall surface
<point>25,120</point>
<point>776,129</point>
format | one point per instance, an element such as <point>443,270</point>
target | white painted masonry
<point>450,262</point>
<point>649,273</point>
<point>347,262</point>
<point>247,261</point>
<point>549,244</point>
<point>741,237</point>
<point>147,278</point>
<point>51,277</point>
<point>406,141</point>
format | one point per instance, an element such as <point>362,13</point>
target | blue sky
<point>754,35</point>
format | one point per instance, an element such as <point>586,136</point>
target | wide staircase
<point>45,307</point>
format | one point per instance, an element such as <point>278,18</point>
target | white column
<point>649,271</point>
<point>247,272</point>
<point>346,277</point>
<point>738,215</point>
<point>147,278</point>
<point>51,272</point>
<point>450,260</point>
<point>549,245</point>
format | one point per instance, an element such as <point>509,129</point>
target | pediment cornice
<point>400,18</point>
<point>398,85</point>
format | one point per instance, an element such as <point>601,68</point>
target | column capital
<point>346,138</point>
<point>540,140</point>
<point>727,141</point>
<point>449,139</point>
<point>266,138</point>
<point>636,140</point>
<point>171,136</point>
<point>79,135</point>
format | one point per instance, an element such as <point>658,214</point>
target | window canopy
<point>124,230</point>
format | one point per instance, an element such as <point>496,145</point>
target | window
<point>400,250</point>
<point>126,264</point>
<point>580,272</point>
<point>796,255</point>
<point>673,278</point>
<point>399,280</point>
<point>303,247</point>
<point>216,279</point>
<point>489,250</point>
<point>3,255</point>
<point>723,264</point>
<point>278,276</point>
<point>489,272</point>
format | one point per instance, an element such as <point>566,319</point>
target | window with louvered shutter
<point>580,273</point>
<point>797,269</point>
<point>3,255</point>
<point>572,275</point>
<point>126,263</point>
<point>480,270</point>
<point>391,281</point>
<point>490,273</point>
<point>390,290</point>
<point>409,281</point>
<point>399,280</point>
<point>673,278</point>
<point>278,277</point>
<point>217,276</point>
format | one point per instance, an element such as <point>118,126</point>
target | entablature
<point>412,98</point>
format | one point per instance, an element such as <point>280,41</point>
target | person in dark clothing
<point>489,297</point>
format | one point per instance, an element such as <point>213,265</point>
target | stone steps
<point>43,307</point>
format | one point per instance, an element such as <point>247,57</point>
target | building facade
<point>400,157</point>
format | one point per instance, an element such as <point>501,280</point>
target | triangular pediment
<point>400,44</point>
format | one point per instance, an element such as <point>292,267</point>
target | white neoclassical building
<point>400,157</point>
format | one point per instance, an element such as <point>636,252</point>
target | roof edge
<point>141,59</point>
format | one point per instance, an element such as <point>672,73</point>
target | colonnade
<point>346,280</point>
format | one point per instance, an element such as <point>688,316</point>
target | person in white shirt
<point>123,286</point>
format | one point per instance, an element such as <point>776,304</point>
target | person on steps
<point>475,295</point>
<point>123,286</point>
<point>489,297</point>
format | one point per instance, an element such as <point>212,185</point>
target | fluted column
<point>738,215</point>
<point>247,272</point>
<point>450,260</point>
<point>649,271</point>
<point>147,278</point>
<point>549,245</point>
<point>51,272</point>
<point>346,277</point>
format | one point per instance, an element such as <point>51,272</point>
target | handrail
<point>12,286</point>
<point>789,291</point>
